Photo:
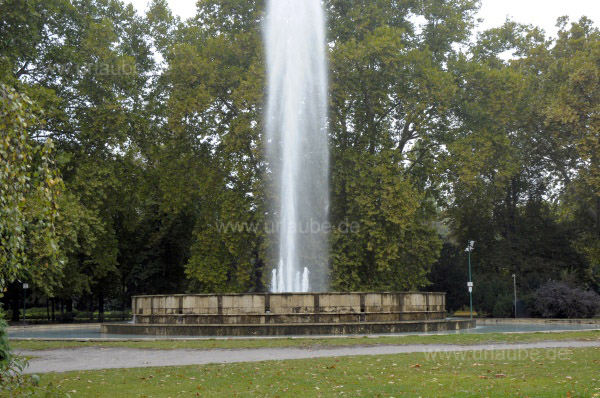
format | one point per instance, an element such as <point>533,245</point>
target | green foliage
<point>29,190</point>
<point>390,99</point>
<point>570,118</point>
<point>450,274</point>
<point>488,290</point>
<point>5,351</point>
<point>88,66</point>
<point>518,181</point>
<point>41,314</point>
<point>210,163</point>
<point>391,244</point>
<point>13,383</point>
<point>504,307</point>
<point>165,185</point>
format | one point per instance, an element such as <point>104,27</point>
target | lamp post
<point>470,283</point>
<point>25,287</point>
<point>515,289</point>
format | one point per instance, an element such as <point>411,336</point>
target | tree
<point>29,190</point>
<point>513,169</point>
<point>390,101</point>
<point>450,274</point>
<point>88,66</point>
<point>210,158</point>
<point>434,140</point>
<point>571,120</point>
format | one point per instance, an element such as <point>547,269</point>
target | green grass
<point>525,373</point>
<point>330,342</point>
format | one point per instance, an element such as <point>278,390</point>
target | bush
<point>13,383</point>
<point>85,315</point>
<point>488,291</point>
<point>559,300</point>
<point>41,314</point>
<point>5,355</point>
<point>504,307</point>
<point>117,315</point>
<point>67,317</point>
<point>36,313</point>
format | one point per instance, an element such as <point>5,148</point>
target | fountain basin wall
<point>288,308</point>
<point>288,314</point>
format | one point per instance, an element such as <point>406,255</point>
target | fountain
<point>288,314</point>
<point>297,150</point>
<point>297,145</point>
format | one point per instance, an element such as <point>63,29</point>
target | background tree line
<point>154,126</point>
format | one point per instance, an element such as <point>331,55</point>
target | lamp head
<point>471,246</point>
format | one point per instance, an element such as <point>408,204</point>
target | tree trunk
<point>70,305</point>
<point>598,214</point>
<point>101,307</point>
<point>124,297</point>
<point>14,295</point>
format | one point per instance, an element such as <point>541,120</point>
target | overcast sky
<point>541,13</point>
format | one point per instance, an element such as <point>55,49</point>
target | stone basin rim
<point>278,294</point>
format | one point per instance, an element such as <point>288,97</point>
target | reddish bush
<point>559,300</point>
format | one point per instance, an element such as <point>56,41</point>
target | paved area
<point>92,358</point>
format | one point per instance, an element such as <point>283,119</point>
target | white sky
<point>541,13</point>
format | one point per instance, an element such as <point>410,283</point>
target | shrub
<point>13,383</point>
<point>487,292</point>
<point>559,300</point>
<point>85,315</point>
<point>36,313</point>
<point>504,307</point>
<point>5,355</point>
<point>41,314</point>
<point>117,315</point>
<point>67,317</point>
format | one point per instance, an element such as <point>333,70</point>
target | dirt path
<point>92,358</point>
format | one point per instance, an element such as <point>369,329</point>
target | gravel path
<point>92,358</point>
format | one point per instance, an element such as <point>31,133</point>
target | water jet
<point>297,142</point>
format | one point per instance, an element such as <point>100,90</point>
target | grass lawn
<point>330,342</point>
<point>523,373</point>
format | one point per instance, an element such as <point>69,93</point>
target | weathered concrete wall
<point>284,329</point>
<point>256,309</point>
<point>594,322</point>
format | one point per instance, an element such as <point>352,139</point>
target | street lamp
<point>515,289</point>
<point>470,283</point>
<point>25,287</point>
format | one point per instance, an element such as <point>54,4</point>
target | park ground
<point>526,373</point>
<point>207,344</point>
<point>561,370</point>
